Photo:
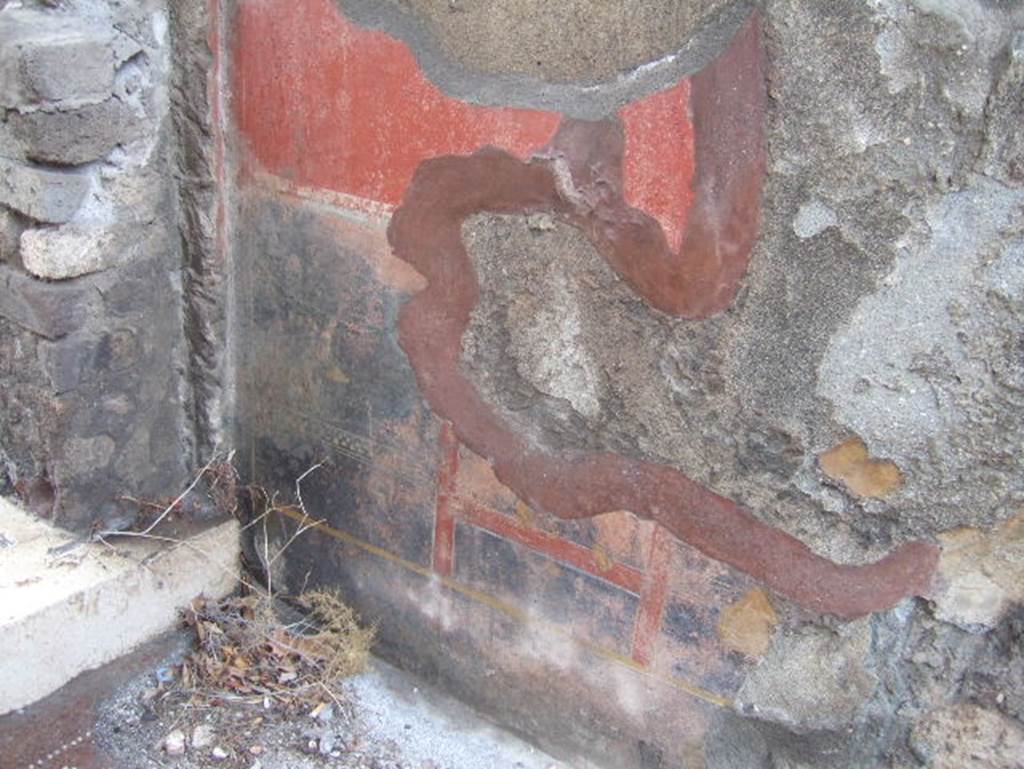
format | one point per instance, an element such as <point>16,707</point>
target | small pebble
<point>174,743</point>
<point>203,736</point>
<point>326,744</point>
<point>256,750</point>
<point>218,754</point>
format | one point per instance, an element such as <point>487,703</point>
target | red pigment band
<point>579,180</point>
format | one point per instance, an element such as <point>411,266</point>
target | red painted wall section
<point>327,104</point>
<point>658,166</point>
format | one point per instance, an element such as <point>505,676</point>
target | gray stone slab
<point>50,310</point>
<point>74,136</point>
<point>50,57</point>
<point>52,197</point>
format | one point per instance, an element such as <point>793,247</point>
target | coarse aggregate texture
<point>883,302</point>
<point>863,390</point>
<point>518,54</point>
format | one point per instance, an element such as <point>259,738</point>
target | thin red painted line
<point>653,596</point>
<point>563,550</point>
<point>444,515</point>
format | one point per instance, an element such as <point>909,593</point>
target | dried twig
<point>306,523</point>
<point>170,507</point>
<point>244,652</point>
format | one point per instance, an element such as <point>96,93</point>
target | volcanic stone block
<point>68,252</point>
<point>46,57</point>
<point>46,196</point>
<point>74,136</point>
<point>91,406</point>
<point>50,310</point>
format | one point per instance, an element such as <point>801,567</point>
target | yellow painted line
<point>506,608</point>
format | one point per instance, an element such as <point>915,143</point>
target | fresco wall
<point>650,367</point>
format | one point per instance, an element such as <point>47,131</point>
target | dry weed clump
<point>244,650</point>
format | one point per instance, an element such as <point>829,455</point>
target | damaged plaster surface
<point>809,369</point>
<point>851,393</point>
<point>581,185</point>
<point>906,307</point>
<point>922,364</point>
<point>865,389</point>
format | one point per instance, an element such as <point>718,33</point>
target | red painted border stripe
<point>563,550</point>
<point>444,517</point>
<point>653,595</point>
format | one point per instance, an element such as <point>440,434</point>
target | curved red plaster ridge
<point>727,101</point>
<point>578,178</point>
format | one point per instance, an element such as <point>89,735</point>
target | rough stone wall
<point>754,276</point>
<point>94,362</point>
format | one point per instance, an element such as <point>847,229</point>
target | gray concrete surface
<point>67,606</point>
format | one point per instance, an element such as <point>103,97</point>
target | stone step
<point>67,606</point>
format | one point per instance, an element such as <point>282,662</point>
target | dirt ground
<point>382,719</point>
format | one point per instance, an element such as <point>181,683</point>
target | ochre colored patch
<point>746,626</point>
<point>524,514</point>
<point>601,557</point>
<point>998,554</point>
<point>850,463</point>
<point>337,375</point>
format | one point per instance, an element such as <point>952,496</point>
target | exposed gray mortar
<point>584,100</point>
<point>520,262</point>
<point>877,140</point>
<point>941,367</point>
<point>1003,153</point>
